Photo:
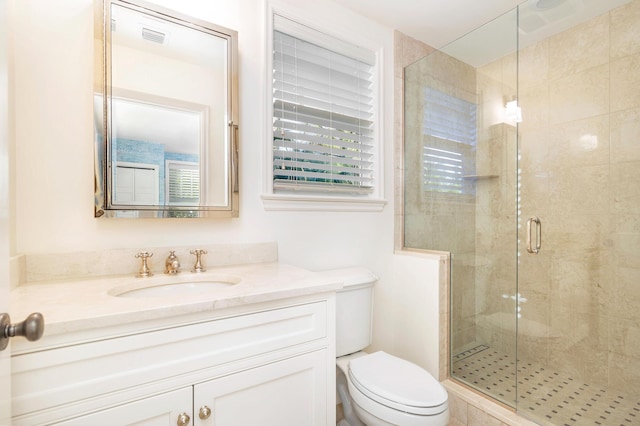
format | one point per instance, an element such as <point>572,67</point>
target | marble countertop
<point>78,305</point>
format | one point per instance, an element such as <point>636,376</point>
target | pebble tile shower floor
<point>545,396</point>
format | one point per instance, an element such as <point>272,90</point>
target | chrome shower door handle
<point>536,249</point>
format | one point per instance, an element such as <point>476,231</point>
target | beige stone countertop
<point>89,304</point>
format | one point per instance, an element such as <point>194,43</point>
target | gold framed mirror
<point>165,113</point>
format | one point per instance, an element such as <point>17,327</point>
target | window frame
<point>315,201</point>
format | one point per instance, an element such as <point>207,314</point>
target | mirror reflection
<point>168,116</point>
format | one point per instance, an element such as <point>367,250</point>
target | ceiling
<point>435,22</point>
<point>493,22</point>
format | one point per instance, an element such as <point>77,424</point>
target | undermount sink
<point>187,288</point>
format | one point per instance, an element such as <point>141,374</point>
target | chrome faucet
<point>172,264</point>
<point>198,267</point>
<point>144,267</point>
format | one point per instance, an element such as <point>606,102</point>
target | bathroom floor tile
<point>545,396</point>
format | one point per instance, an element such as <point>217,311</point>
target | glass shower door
<point>579,173</point>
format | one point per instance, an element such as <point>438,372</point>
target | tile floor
<point>546,397</point>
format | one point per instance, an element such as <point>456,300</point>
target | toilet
<point>378,389</point>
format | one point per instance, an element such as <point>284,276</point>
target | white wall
<point>54,128</point>
<point>54,150</point>
<point>5,360</point>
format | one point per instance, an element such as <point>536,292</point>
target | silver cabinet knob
<point>31,328</point>
<point>183,419</point>
<point>204,413</point>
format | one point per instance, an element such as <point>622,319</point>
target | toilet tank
<point>354,309</point>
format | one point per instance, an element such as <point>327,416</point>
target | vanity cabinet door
<point>160,410</point>
<point>291,392</point>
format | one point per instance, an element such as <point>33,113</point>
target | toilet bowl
<point>378,389</point>
<point>384,390</point>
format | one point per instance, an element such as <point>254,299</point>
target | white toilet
<point>378,389</point>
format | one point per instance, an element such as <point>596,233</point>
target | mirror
<point>165,113</point>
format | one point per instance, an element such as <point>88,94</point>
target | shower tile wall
<point>580,146</point>
<point>407,50</point>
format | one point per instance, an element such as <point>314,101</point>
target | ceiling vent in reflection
<point>153,35</point>
<point>548,4</point>
<point>542,14</point>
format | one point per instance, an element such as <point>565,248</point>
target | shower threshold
<point>545,396</point>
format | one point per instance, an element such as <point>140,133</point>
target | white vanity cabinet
<point>288,392</point>
<point>263,364</point>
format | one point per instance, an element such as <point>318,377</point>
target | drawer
<point>49,378</point>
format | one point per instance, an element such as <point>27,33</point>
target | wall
<point>53,81</point>
<point>5,212</point>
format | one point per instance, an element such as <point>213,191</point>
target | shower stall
<point>522,159</point>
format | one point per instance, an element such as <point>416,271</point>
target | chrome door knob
<point>183,419</point>
<point>204,413</point>
<point>31,328</point>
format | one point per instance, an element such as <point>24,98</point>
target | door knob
<point>183,419</point>
<point>31,328</point>
<point>204,413</point>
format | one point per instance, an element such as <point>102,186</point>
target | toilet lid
<point>396,382</point>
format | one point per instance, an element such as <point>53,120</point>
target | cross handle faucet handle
<point>144,267</point>
<point>198,267</point>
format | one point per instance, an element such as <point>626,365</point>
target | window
<point>450,126</point>
<point>182,183</point>
<point>324,114</point>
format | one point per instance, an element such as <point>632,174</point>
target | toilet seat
<point>397,384</point>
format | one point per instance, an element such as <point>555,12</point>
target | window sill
<point>279,202</point>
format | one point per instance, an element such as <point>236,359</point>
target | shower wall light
<point>513,113</point>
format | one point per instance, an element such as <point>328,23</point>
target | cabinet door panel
<point>291,392</point>
<point>159,410</point>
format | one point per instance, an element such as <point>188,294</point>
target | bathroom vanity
<point>260,351</point>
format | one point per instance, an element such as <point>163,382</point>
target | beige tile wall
<point>406,51</point>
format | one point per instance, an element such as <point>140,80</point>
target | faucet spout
<point>172,264</point>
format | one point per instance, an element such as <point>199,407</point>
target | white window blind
<point>183,183</point>
<point>323,112</point>
<point>447,153</point>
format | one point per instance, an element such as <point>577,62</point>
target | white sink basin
<point>187,288</point>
